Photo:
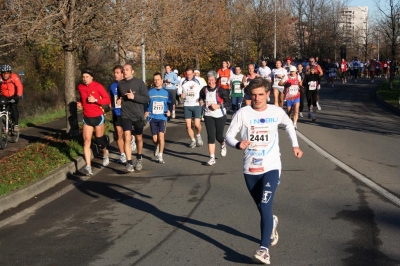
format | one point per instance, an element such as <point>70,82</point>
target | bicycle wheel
<point>14,136</point>
<point>4,135</point>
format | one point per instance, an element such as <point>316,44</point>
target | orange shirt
<point>224,77</point>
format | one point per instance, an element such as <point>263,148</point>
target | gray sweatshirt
<point>133,109</point>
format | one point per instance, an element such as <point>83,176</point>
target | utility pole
<point>143,61</point>
<point>274,29</point>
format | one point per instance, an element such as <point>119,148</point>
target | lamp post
<point>274,29</point>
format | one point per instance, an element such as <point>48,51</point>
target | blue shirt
<point>159,101</point>
<point>173,78</point>
<point>114,97</point>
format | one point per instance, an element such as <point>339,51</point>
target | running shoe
<point>199,141</point>
<point>313,117</point>
<point>301,114</point>
<point>133,144</point>
<point>106,160</point>
<point>295,126</point>
<point>318,106</point>
<point>122,159</point>
<point>87,170</point>
<point>139,165</point>
<point>309,115</point>
<point>160,160</point>
<point>157,151</point>
<point>173,114</point>
<point>274,235</point>
<point>262,256</point>
<point>16,128</point>
<point>129,168</point>
<point>211,161</point>
<point>192,144</point>
<point>223,150</point>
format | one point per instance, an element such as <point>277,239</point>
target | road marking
<point>351,171</point>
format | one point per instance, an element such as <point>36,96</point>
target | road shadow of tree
<point>109,190</point>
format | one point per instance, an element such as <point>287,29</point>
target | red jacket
<point>343,66</point>
<point>99,93</point>
<point>12,86</point>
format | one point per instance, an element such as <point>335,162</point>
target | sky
<point>370,3</point>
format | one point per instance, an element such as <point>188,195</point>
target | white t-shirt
<point>261,128</point>
<point>211,98</point>
<point>274,74</point>
<point>264,72</point>
<point>191,89</point>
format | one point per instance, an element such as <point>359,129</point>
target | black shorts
<point>93,121</point>
<point>117,120</point>
<point>138,126</point>
<point>172,95</point>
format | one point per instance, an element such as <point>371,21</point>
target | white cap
<point>196,71</point>
<point>176,71</point>
<point>292,68</point>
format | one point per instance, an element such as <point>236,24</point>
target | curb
<point>387,105</point>
<point>15,198</point>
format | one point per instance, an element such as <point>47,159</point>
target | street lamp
<point>274,29</point>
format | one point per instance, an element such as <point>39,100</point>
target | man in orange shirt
<point>12,89</point>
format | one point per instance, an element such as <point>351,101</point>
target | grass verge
<point>38,159</point>
<point>388,95</point>
<point>42,118</point>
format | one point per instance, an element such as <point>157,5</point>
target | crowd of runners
<point>257,101</point>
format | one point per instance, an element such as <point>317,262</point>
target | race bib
<point>259,136</point>
<point>293,90</point>
<point>115,102</point>
<point>224,81</point>
<point>190,95</point>
<point>312,85</point>
<point>158,108</point>
<point>237,89</point>
<point>276,80</point>
<point>342,66</point>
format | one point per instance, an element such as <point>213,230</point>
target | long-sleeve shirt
<point>160,100</point>
<point>133,109</point>
<point>98,92</point>
<point>261,129</point>
<point>173,80</point>
<point>11,86</point>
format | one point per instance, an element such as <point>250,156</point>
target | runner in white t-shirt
<point>258,128</point>
<point>277,75</point>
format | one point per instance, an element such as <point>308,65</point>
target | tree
<point>390,27</point>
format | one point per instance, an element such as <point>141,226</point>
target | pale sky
<point>370,3</point>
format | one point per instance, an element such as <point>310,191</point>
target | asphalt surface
<point>187,213</point>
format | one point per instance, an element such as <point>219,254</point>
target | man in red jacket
<point>343,70</point>
<point>93,96</point>
<point>12,89</point>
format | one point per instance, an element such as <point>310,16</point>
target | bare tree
<point>390,27</point>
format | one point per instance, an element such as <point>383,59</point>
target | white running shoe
<point>173,114</point>
<point>129,168</point>
<point>262,256</point>
<point>192,144</point>
<point>87,170</point>
<point>106,160</point>
<point>139,165</point>
<point>274,235</point>
<point>301,114</point>
<point>295,126</point>
<point>133,144</point>
<point>199,141</point>
<point>160,160</point>
<point>223,150</point>
<point>122,159</point>
<point>318,106</point>
<point>211,161</point>
<point>157,151</point>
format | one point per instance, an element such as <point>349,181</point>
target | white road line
<point>351,171</point>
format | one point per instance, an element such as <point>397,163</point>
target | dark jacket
<point>133,109</point>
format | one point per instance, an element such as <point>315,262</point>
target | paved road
<point>186,213</point>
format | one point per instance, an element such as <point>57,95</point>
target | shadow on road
<point>136,200</point>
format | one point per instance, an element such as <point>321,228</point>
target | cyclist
<point>11,88</point>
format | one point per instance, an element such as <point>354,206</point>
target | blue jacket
<point>160,101</point>
<point>114,97</point>
<point>173,78</point>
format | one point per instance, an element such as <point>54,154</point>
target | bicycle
<point>6,124</point>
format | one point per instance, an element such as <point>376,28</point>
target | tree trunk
<point>197,61</point>
<point>70,95</point>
